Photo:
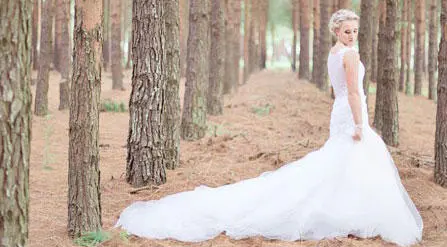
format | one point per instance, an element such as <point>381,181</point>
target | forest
<point>108,102</point>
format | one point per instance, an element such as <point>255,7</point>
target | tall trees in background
<point>247,26</point>
<point>106,35</point>
<point>62,58</point>
<point>117,54</point>
<point>45,58</point>
<point>295,24</point>
<point>171,112</point>
<point>84,200</point>
<point>381,46</point>
<point>325,43</point>
<point>440,173</point>
<point>365,40</point>
<point>145,142</point>
<point>387,69</point>
<point>316,39</point>
<point>305,10</point>
<point>15,123</point>
<point>432,48</point>
<point>35,34</point>
<point>232,45</point>
<point>419,47</point>
<point>403,43</point>
<point>193,125</point>
<point>217,58</point>
<point>408,88</point>
<point>263,32</point>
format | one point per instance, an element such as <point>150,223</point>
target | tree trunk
<point>61,32</point>
<point>295,21</point>
<point>15,121</point>
<point>403,48</point>
<point>263,32</point>
<point>172,99</point>
<point>325,43</point>
<point>390,128</point>
<point>236,8</point>
<point>408,88</point>
<point>117,54</point>
<point>193,125</point>
<point>64,54</point>
<point>375,37</point>
<point>304,39</point>
<point>347,4</point>
<point>432,49</point>
<point>217,59</point>
<point>246,40</point>
<point>365,41</point>
<point>381,46</point>
<point>419,48</point>
<point>440,173</point>
<point>35,34</point>
<point>84,194</point>
<point>229,36</point>
<point>316,39</point>
<point>145,143</point>
<point>184,27</point>
<point>46,46</point>
<point>106,25</point>
<point>129,52</point>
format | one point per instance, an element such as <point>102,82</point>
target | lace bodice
<point>341,117</point>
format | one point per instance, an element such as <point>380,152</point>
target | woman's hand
<point>357,134</point>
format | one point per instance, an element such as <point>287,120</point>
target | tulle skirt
<point>343,188</point>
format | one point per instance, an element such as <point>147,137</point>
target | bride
<point>350,186</point>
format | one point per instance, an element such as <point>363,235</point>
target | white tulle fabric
<point>343,188</point>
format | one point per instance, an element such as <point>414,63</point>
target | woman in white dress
<point>350,186</point>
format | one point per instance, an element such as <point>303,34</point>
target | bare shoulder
<point>351,56</point>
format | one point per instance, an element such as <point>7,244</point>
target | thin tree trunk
<point>117,54</point>
<point>390,128</point>
<point>84,194</point>
<point>403,48</point>
<point>184,27</point>
<point>419,47</point>
<point>106,48</point>
<point>246,39</point>
<point>432,49</point>
<point>129,52</point>
<point>347,4</point>
<point>64,56</point>
<point>35,34</point>
<point>172,99</point>
<point>440,172</point>
<point>365,41</point>
<point>316,39</point>
<point>263,33</point>
<point>15,120</point>
<point>217,59</point>
<point>62,36</point>
<point>229,36</point>
<point>375,37</point>
<point>408,87</point>
<point>46,46</point>
<point>304,39</point>
<point>295,21</point>
<point>193,125</point>
<point>378,115</point>
<point>325,43</point>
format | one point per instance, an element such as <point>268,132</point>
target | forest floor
<point>272,119</point>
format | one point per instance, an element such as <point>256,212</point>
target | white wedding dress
<point>343,188</point>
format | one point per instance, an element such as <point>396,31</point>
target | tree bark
<point>365,41</point>
<point>432,49</point>
<point>403,43</point>
<point>145,142</point>
<point>263,32</point>
<point>184,27</point>
<point>172,99</point>
<point>316,39</point>
<point>375,37</point>
<point>390,128</point>
<point>440,172</point>
<point>117,54</point>
<point>15,120</point>
<point>419,48</point>
<point>35,34</point>
<point>64,54</point>
<point>246,40</point>
<point>193,125</point>
<point>217,59</point>
<point>237,10</point>
<point>347,4</point>
<point>229,36</point>
<point>295,21</point>
<point>62,36</point>
<point>46,51</point>
<point>408,88</point>
<point>325,43</point>
<point>84,194</point>
<point>304,39</point>
<point>378,110</point>
<point>106,35</point>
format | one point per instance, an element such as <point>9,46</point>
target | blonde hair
<point>340,16</point>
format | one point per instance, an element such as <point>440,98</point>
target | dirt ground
<point>242,143</point>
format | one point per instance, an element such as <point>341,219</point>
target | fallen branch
<point>148,187</point>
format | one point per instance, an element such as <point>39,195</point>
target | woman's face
<point>348,32</point>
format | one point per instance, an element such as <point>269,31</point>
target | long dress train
<point>345,187</point>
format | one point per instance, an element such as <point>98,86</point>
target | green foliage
<point>262,110</point>
<point>91,239</point>
<point>112,106</point>
<point>280,13</point>
<point>124,236</point>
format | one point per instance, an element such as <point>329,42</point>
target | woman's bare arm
<point>351,64</point>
